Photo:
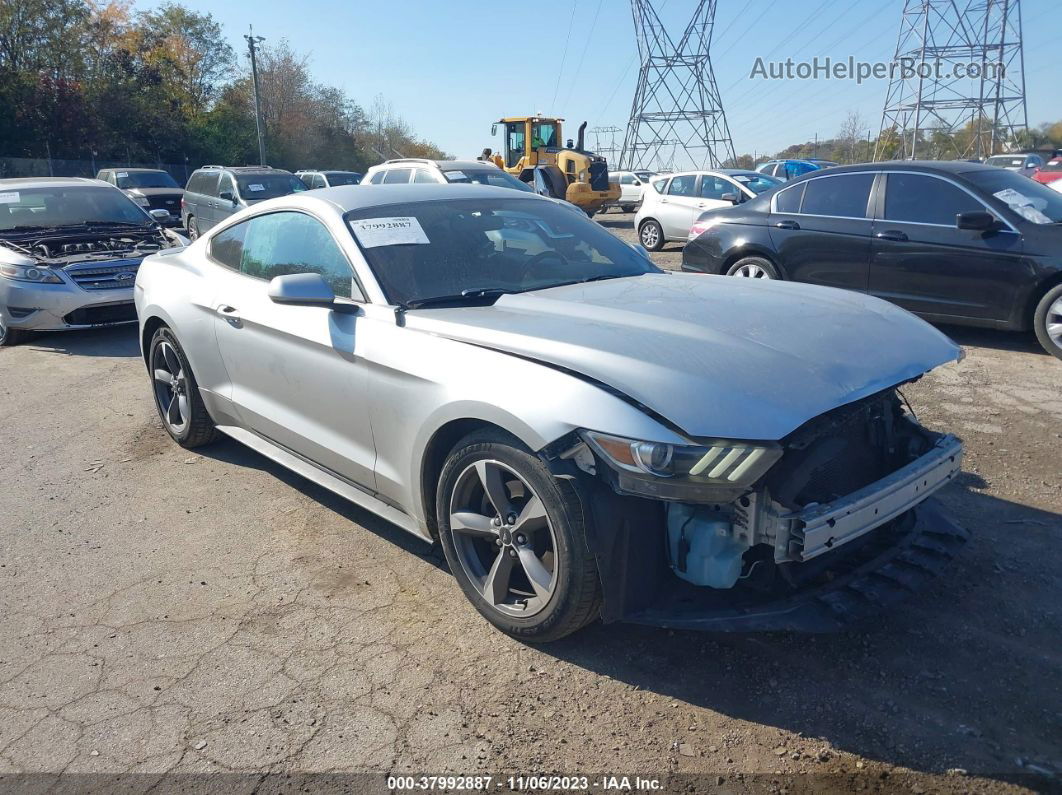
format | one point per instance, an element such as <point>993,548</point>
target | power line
<point>623,74</point>
<point>560,72</point>
<point>593,25</point>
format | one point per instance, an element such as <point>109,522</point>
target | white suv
<point>673,202</point>
<point>410,169</point>
<point>631,185</point>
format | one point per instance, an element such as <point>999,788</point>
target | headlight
<point>700,473</point>
<point>29,273</point>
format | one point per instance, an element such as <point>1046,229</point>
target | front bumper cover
<point>51,303</point>
<point>918,548</point>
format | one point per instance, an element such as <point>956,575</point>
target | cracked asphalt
<point>165,612</point>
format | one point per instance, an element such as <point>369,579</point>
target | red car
<point>1050,171</point>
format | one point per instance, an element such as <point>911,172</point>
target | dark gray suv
<point>213,193</point>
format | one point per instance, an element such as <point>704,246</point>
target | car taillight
<point>183,205</point>
<point>698,229</point>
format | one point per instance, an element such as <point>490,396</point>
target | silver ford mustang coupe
<point>587,436</point>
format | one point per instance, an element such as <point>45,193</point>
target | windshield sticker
<point>1025,206</point>
<point>9,197</point>
<point>373,232</point>
<point>455,175</point>
<point>255,187</point>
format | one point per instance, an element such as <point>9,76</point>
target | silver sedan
<point>588,437</point>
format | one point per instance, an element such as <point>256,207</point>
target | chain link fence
<point>58,167</point>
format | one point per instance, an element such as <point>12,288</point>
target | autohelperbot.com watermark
<point>828,68</point>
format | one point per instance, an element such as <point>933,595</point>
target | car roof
<point>726,172</point>
<point>950,167</point>
<point>138,170</point>
<point>246,169</point>
<point>359,197</point>
<point>404,162</point>
<point>51,182</point>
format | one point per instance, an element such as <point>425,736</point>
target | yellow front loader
<point>532,152</point>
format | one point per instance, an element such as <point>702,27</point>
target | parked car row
<point>588,437</point>
<point>69,253</point>
<point>954,242</point>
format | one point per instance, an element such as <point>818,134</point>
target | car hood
<point>714,356</point>
<point>157,191</point>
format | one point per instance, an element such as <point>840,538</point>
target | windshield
<point>145,179</point>
<point>50,207</point>
<point>1031,200</point>
<point>343,178</point>
<point>1006,161</point>
<point>1053,165</point>
<point>755,182</point>
<point>487,176</point>
<point>268,186</point>
<point>423,250</point>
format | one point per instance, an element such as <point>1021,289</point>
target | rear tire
<point>176,392</point>
<point>651,235</point>
<point>192,227</point>
<point>754,268</point>
<point>629,208</point>
<point>1047,321</point>
<point>528,572</point>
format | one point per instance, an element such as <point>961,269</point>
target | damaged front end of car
<point>78,276</point>
<point>828,525</point>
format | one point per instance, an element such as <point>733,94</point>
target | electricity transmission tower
<point>957,88</point>
<point>677,98</point>
<point>605,143</point>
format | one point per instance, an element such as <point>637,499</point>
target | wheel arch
<point>441,443</point>
<point>1025,322</point>
<point>151,325</point>
<point>751,250</point>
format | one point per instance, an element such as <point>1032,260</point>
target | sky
<point>452,67</point>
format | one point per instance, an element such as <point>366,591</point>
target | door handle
<point>891,234</point>
<point>230,313</point>
<point>787,225</point>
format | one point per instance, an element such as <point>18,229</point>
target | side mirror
<point>227,195</point>
<point>301,289</point>
<point>160,214</point>
<point>493,130</point>
<point>733,198</point>
<point>976,221</point>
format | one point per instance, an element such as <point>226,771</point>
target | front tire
<point>651,235</point>
<point>177,398</point>
<point>754,268</point>
<point>629,208</point>
<point>11,336</point>
<point>514,538</point>
<point>1047,321</point>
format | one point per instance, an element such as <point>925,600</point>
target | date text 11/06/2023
<point>532,783</point>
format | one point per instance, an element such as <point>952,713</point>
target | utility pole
<point>252,41</point>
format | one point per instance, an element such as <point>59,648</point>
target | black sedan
<point>954,242</point>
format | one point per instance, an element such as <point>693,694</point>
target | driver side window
<point>282,243</point>
<point>715,187</point>
<point>227,184</point>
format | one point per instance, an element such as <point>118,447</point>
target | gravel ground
<point>163,611</point>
